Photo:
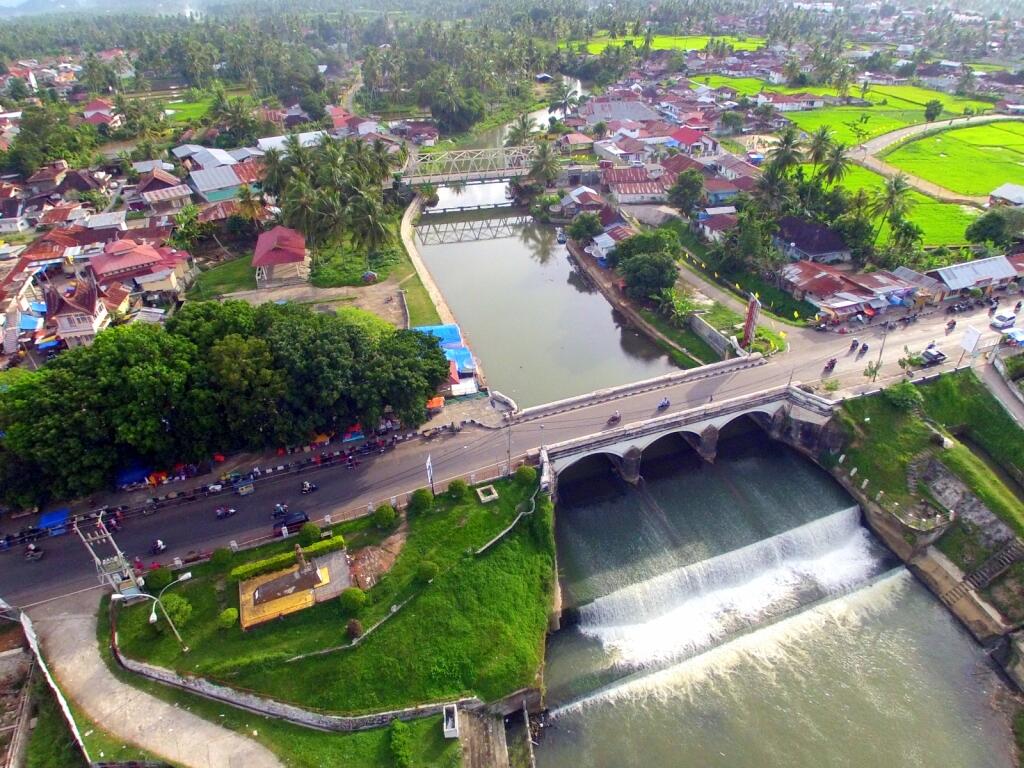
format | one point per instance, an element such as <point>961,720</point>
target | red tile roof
<point>279,246</point>
<point>122,257</point>
<point>687,136</point>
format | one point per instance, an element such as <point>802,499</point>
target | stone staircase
<point>1011,553</point>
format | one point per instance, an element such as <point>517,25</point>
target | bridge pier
<point>706,445</point>
<point>628,465</point>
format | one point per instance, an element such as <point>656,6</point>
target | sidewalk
<point>998,387</point>
<point>67,632</point>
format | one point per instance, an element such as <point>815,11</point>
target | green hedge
<point>285,559</point>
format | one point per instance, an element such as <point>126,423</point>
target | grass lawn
<point>730,323</point>
<point>231,276</point>
<point>940,223</point>
<point>189,111</point>
<point>973,160</point>
<point>295,746</point>
<point>477,628</point>
<point>51,744</point>
<point>599,42</point>
<point>685,338</point>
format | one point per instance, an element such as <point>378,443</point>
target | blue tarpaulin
<point>448,335</point>
<point>29,323</point>
<point>38,307</point>
<point>131,475</point>
<point>49,344</point>
<point>462,358</point>
<point>56,522</point>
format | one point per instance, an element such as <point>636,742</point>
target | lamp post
<point>156,601</point>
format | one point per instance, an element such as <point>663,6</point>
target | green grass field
<point>940,223</point>
<point>892,107</point>
<point>234,275</point>
<point>598,43</point>
<point>478,627</point>
<point>972,161</point>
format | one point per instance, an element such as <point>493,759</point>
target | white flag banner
<point>430,470</point>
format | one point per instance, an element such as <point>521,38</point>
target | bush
<point>526,476</point>
<point>227,618</point>
<point>384,516</point>
<point>904,396</point>
<point>284,559</point>
<point>422,500</point>
<point>158,579</point>
<point>401,744</point>
<point>458,489</point>
<point>426,571</point>
<point>309,534</point>
<point>352,600</point>
<point>324,545</point>
<point>220,558</point>
<point>177,608</point>
<point>354,629</point>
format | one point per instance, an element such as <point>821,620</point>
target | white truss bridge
<point>466,165</point>
<point>432,232</point>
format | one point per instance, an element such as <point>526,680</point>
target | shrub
<point>422,500</point>
<point>324,545</point>
<point>354,629</point>
<point>227,618</point>
<point>352,600</point>
<point>384,516</point>
<point>426,571</point>
<point>220,558</point>
<point>309,534</point>
<point>904,396</point>
<point>284,559</point>
<point>177,608</point>
<point>401,744</point>
<point>526,476</point>
<point>158,578</point>
<point>458,489</point>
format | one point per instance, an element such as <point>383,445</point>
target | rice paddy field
<point>672,42</point>
<point>940,223</point>
<point>892,107</point>
<point>972,161</point>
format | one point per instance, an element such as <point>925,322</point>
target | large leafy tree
<point>686,191</point>
<point>544,167</point>
<point>648,274</point>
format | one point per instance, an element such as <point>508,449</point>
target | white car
<point>1003,320</point>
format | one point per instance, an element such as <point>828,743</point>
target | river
<point>739,614</point>
<point>540,331</point>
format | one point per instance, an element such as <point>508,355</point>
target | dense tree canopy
<point>220,377</point>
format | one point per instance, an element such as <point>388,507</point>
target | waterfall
<point>687,610</point>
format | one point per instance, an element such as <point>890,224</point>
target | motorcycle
<point>950,326</point>
<point>31,555</point>
<point>223,513</point>
<point>280,510</point>
<point>664,404</point>
<point>157,547</point>
<point>309,488</point>
<point>614,419</point>
<point>853,345</point>
<point>864,348</point>
<point>830,365</point>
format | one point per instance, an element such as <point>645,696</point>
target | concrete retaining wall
<point>715,339</point>
<point>1000,366</point>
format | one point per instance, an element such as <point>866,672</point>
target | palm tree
<point>819,146</point>
<point>892,202</point>
<point>545,165</point>
<point>250,206</point>
<point>275,172</point>
<point>836,164</point>
<point>520,130</point>
<point>367,225</point>
<point>788,150</point>
<point>565,98</point>
<point>774,188</point>
<point>841,81</point>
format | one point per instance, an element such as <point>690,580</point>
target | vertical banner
<point>750,326</point>
<point>430,473</point>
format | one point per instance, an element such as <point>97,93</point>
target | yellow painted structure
<point>251,614</point>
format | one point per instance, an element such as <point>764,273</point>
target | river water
<point>540,331</point>
<point>738,614</point>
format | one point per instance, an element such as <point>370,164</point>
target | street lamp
<point>156,601</point>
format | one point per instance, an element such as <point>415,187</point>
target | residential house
<point>101,114</point>
<point>576,143</point>
<point>307,139</point>
<point>215,184</point>
<point>622,150</point>
<point>718,190</point>
<point>280,257</point>
<point>146,166</point>
<point>168,200</point>
<point>801,239</point>
<point>113,220</point>
<point>83,181</point>
<point>580,200</point>
<point>715,226</point>
<point>693,142</point>
<point>606,242</point>
<point>928,290</point>
<point>784,102</point>
<point>638,192</point>
<point>154,270</point>
<point>62,214</point>
<point>154,180</point>
<point>78,316</point>
<point>48,178</point>
<point>209,158</point>
<point>980,274</point>
<point>601,110</point>
<point>1007,194</point>
<point>12,218</point>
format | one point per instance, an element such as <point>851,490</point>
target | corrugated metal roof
<point>980,272</point>
<point>210,179</point>
<point>169,193</point>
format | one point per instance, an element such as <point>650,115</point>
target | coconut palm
<point>819,146</point>
<point>275,172</point>
<point>520,131</point>
<point>835,164</point>
<point>565,98</point>
<point>367,226</point>
<point>788,150</point>
<point>250,206</point>
<point>545,165</point>
<point>892,202</point>
<point>774,188</point>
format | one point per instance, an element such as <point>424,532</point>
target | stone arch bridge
<point>785,412</point>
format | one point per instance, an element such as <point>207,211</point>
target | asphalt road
<point>346,492</point>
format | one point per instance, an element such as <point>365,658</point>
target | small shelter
<point>280,257</point>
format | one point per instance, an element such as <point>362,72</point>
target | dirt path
<point>867,153</point>
<point>382,299</point>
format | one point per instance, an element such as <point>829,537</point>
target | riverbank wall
<point>408,232</point>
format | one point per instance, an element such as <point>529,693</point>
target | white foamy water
<point>689,609</point>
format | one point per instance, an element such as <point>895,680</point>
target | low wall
<point>1000,366</point>
<point>278,709</point>
<point>715,338</point>
<point>409,241</point>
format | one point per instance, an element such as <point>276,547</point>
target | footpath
<point>67,632</point>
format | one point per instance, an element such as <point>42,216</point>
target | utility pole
<point>878,365</point>
<point>508,449</point>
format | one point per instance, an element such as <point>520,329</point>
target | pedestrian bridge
<point>468,165</point>
<point>437,231</point>
<point>784,411</point>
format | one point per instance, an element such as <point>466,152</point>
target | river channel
<point>738,614</point>
<point>540,331</point>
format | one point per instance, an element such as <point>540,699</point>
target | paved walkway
<point>998,387</point>
<point>408,232</point>
<point>67,631</point>
<point>867,155</point>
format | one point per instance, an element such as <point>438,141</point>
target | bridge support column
<point>628,465</point>
<point>779,423</point>
<point>708,445</point>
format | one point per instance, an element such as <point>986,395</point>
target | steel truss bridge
<point>448,232</point>
<point>465,165</point>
